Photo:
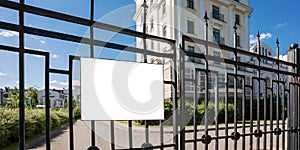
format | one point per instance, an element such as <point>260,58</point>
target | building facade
<point>174,18</point>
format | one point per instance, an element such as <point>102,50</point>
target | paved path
<point>82,137</point>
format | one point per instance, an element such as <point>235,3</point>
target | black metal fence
<point>252,125</point>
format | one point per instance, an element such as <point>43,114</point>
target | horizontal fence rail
<point>217,106</point>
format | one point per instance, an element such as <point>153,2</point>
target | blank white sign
<point>119,90</point>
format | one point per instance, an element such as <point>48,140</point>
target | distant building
<point>265,50</point>
<point>57,98</point>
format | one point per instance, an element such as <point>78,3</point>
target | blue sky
<point>273,19</point>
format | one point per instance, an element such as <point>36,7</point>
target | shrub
<point>34,123</point>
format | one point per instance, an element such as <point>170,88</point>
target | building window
<point>190,4</point>
<point>237,19</point>
<point>238,41</point>
<point>217,54</point>
<point>217,36</point>
<point>152,44</point>
<point>216,13</point>
<point>191,49</point>
<point>190,25</point>
<point>151,25</point>
<point>221,81</point>
<point>164,31</point>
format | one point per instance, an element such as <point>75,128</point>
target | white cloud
<point>9,33</point>
<point>63,83</point>
<point>54,87</point>
<point>263,36</point>
<point>55,56</point>
<point>17,82</point>
<point>281,25</point>
<point>38,38</point>
<point>76,82</point>
<point>53,82</point>
<point>2,74</point>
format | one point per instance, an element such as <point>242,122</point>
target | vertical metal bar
<point>130,133</point>
<point>145,61</point>
<point>175,98</point>
<point>258,93</point>
<point>216,111</point>
<point>226,112</point>
<point>235,85</point>
<point>161,132</point>
<point>144,29</point>
<point>112,134</point>
<point>195,108</point>
<point>290,123</point>
<point>21,79</point>
<point>147,131</point>
<point>277,96</point>
<point>271,116</point>
<point>206,79</point>
<point>71,131</point>
<point>295,138</point>
<point>283,116</point>
<point>93,136</point>
<point>182,99</point>
<point>243,115</point>
<point>265,115</point>
<point>251,113</point>
<point>48,124</point>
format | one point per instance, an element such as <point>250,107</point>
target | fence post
<point>293,112</point>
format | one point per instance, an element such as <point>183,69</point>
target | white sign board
<point>119,90</point>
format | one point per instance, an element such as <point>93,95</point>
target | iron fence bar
<point>235,85</point>
<point>78,39</point>
<point>226,111</point>
<point>112,135</point>
<point>289,117</point>
<point>9,48</point>
<point>91,44</point>
<point>78,20</point>
<point>216,111</point>
<point>230,61</point>
<point>130,134</point>
<point>258,93</point>
<point>182,99</point>
<point>243,115</point>
<point>251,113</point>
<point>231,49</point>
<point>47,99</point>
<point>66,72</point>
<point>206,80</point>
<point>283,116</point>
<point>195,108</point>
<point>277,106</point>
<point>271,116</point>
<point>22,83</point>
<point>161,132</point>
<point>265,114</point>
<point>175,97</point>
<point>71,130</point>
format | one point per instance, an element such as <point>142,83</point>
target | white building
<point>57,98</point>
<point>269,76</point>
<point>174,18</point>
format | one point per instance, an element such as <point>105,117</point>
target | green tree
<point>32,94</point>
<point>13,98</point>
